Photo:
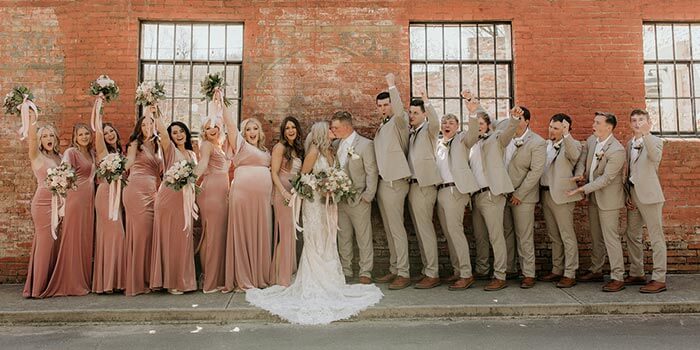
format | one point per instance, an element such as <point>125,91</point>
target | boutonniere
<point>519,143</point>
<point>599,155</point>
<point>352,154</point>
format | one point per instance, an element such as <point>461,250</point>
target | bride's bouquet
<point>180,175</point>
<point>305,185</point>
<point>337,184</point>
<point>106,87</point>
<point>112,167</point>
<point>19,102</point>
<point>211,83</point>
<point>148,93</point>
<point>60,179</point>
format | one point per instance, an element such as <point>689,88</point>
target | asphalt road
<point>599,332</point>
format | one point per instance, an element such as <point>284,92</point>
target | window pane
<point>452,106</point>
<point>182,80</point>
<point>487,81</point>
<point>148,41</point>
<point>668,116</point>
<point>417,38</point>
<point>503,80</point>
<point>232,81</point>
<point>166,107</point>
<point>182,111</point>
<point>452,80</point>
<point>452,42</point>
<point>651,81</point>
<point>652,106</point>
<point>486,34</point>
<point>435,80</point>
<point>236,110</point>
<point>149,72</point>
<point>200,42</point>
<point>469,78</point>
<point>198,74</point>
<point>490,106</point>
<point>216,68</point>
<point>165,76</point>
<point>217,42</point>
<point>695,33</point>
<point>502,108</point>
<point>438,104</point>
<point>166,37</point>
<point>418,78</point>
<point>681,37</point>
<point>503,42</point>
<point>664,41</point>
<point>685,115</point>
<point>683,80</point>
<point>199,108</point>
<point>697,113</point>
<point>696,78</point>
<point>469,48</point>
<point>666,80</point>
<point>434,42</point>
<point>183,44</point>
<point>649,42</point>
<point>234,42</point>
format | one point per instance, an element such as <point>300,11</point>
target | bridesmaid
<point>172,255</point>
<point>73,270</point>
<point>108,274</point>
<point>139,195</point>
<point>287,156</point>
<point>43,153</point>
<point>213,168</point>
<point>248,241</point>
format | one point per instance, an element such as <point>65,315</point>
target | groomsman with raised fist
<point>422,141</point>
<point>390,149</point>
<point>645,200</point>
<point>604,166</point>
<point>356,157</point>
<point>524,160</point>
<point>486,160</point>
<point>452,157</point>
<point>563,153</point>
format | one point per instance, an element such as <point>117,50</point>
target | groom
<point>356,158</point>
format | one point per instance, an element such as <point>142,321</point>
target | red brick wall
<point>311,58</point>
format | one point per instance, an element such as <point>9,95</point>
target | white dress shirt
<point>442,157</point>
<point>411,153</point>
<point>477,166</point>
<point>594,163</point>
<point>343,149</point>
<point>634,154</point>
<point>551,155</point>
<point>510,150</point>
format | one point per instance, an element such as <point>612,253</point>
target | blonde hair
<point>319,136</point>
<point>449,116</point>
<point>261,134</point>
<point>74,142</point>
<point>55,136</point>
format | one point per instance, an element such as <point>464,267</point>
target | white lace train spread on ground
<point>318,294</point>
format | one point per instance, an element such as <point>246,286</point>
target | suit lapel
<point>602,150</point>
<point>353,146</point>
<point>525,141</point>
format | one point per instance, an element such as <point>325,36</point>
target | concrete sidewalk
<point>544,299</point>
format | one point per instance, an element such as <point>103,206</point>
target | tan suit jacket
<point>459,161</point>
<point>423,150</point>
<point>391,142</point>
<point>526,168</point>
<point>492,149</point>
<point>362,169</point>
<point>562,169</point>
<point>607,176</point>
<point>646,167</point>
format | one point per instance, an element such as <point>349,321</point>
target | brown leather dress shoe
<point>552,277</point>
<point>388,278</point>
<point>482,276</point>
<point>527,283</point>
<point>591,277</point>
<point>614,286</point>
<point>450,279</point>
<point>365,280</point>
<point>653,287</point>
<point>416,279</point>
<point>635,280</point>
<point>462,283</point>
<point>427,283</point>
<point>400,282</point>
<point>566,282</point>
<point>495,284</point>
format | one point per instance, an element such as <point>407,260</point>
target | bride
<point>318,294</point>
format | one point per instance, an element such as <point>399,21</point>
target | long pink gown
<point>139,197</point>
<point>73,270</point>
<point>42,258</point>
<point>214,218</point>
<point>109,270</point>
<point>248,241</point>
<point>284,261</point>
<point>172,253</point>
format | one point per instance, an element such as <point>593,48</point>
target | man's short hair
<point>485,117</point>
<point>418,103</point>
<point>609,118</point>
<point>561,117</point>
<point>383,96</point>
<point>640,112</point>
<point>449,116</point>
<point>526,113</point>
<point>343,117</point>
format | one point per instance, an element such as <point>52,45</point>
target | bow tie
<point>484,136</point>
<point>386,120</point>
<point>557,146</point>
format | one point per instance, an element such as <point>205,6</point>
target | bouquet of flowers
<point>15,98</point>
<point>337,184</point>
<point>305,185</point>
<point>60,179</point>
<point>148,93</point>
<point>112,167</point>
<point>180,175</point>
<point>211,83</point>
<point>106,87</point>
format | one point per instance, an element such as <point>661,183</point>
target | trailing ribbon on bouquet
<point>189,206</point>
<point>95,120</point>
<point>24,109</point>
<point>115,190</point>
<point>57,211</point>
<point>295,201</point>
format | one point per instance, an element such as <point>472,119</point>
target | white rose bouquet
<point>180,175</point>
<point>60,179</point>
<point>336,183</point>
<point>106,87</point>
<point>148,93</point>
<point>112,167</point>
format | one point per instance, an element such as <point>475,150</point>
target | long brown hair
<point>118,143</point>
<point>137,135</point>
<point>297,146</point>
<point>73,141</point>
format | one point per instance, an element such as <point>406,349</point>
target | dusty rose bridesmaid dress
<point>284,261</point>
<point>109,270</point>
<point>248,241</point>
<point>139,197</point>
<point>214,217</point>
<point>73,270</point>
<point>42,258</point>
<point>172,253</point>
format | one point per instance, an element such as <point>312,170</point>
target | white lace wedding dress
<point>318,294</point>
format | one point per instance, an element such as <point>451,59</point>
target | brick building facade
<point>311,58</point>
